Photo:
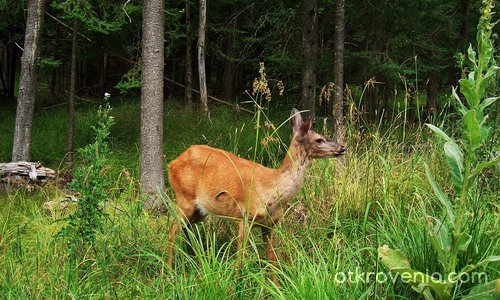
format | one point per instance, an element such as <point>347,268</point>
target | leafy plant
<point>50,62</point>
<point>91,185</point>
<point>448,235</point>
<point>99,16</point>
<point>130,81</point>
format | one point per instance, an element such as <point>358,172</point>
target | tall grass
<point>326,243</point>
<point>452,228</point>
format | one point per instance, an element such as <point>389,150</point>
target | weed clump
<point>91,185</point>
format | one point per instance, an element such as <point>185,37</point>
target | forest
<point>218,149</point>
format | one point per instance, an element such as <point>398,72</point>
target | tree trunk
<point>463,42</point>
<point>368,15</point>
<point>201,56</point>
<point>309,56</point>
<point>27,82</point>
<point>104,70</point>
<point>338,72</point>
<point>11,58</point>
<point>3,67</point>
<point>72,96</point>
<point>229,73</point>
<point>464,13</point>
<point>151,158</point>
<point>188,94</point>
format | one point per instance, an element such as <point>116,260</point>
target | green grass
<point>345,210</point>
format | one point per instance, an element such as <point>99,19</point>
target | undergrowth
<point>326,243</point>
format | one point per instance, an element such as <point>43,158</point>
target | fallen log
<point>24,173</point>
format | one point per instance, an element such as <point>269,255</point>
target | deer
<point>211,181</point>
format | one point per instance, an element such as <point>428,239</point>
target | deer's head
<point>314,144</point>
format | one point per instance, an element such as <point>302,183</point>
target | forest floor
<point>326,242</point>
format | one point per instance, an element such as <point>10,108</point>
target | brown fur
<point>207,180</point>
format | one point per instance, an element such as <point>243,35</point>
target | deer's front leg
<point>242,239</point>
<point>268,238</point>
<point>174,228</point>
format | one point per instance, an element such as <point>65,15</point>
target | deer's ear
<point>305,127</point>
<point>296,120</point>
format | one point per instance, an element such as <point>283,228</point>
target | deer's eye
<point>320,141</point>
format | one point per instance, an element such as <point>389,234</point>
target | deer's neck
<point>291,172</point>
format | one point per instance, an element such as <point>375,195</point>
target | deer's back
<point>221,182</point>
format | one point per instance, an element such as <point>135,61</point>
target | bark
<point>201,56</point>
<point>338,72</point>
<point>28,81</point>
<point>188,81</point>
<point>229,73</point>
<point>72,95</point>
<point>102,79</point>
<point>309,56</point>
<point>151,157</point>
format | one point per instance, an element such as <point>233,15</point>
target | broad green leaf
<point>483,82</point>
<point>467,269</point>
<point>454,157</point>
<point>484,49</point>
<point>395,261</point>
<point>440,195</point>
<point>468,89</point>
<point>425,291</point>
<point>489,259</point>
<point>462,241</point>
<point>471,133</point>
<point>472,77</point>
<point>477,170</point>
<point>491,71</point>
<point>487,102</point>
<point>486,291</point>
<point>484,262</point>
<point>472,55</point>
<point>461,108</point>
<point>419,280</point>
<point>485,133</point>
<point>441,134</point>
<point>392,258</point>
<point>481,119</point>
<point>440,240</point>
